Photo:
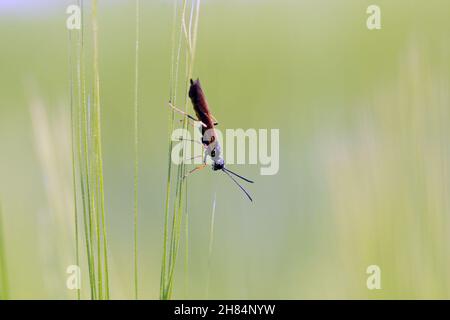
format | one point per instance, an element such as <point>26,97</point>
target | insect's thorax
<point>209,136</point>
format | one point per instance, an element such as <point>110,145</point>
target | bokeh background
<point>364,158</point>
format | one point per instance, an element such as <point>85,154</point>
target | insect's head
<point>218,164</point>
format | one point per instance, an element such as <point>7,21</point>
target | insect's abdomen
<point>200,104</point>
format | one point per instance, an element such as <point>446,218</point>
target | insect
<point>209,136</point>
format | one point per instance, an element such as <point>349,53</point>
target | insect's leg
<point>195,157</point>
<point>192,123</point>
<point>181,112</point>
<point>190,140</point>
<point>185,114</point>
<point>204,148</point>
<point>200,167</point>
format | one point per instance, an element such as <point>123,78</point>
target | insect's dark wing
<point>200,104</point>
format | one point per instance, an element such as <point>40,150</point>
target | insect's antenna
<point>234,173</point>
<point>242,188</point>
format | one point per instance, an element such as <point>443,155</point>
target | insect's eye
<point>213,153</point>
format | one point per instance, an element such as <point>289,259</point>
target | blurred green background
<point>364,148</point>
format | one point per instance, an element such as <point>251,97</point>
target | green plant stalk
<point>182,208</point>
<point>181,180</point>
<point>177,217</point>
<point>85,213</point>
<point>186,245</point>
<point>173,97</point>
<point>83,154</point>
<point>4,288</point>
<point>96,205</point>
<point>166,221</point>
<point>136,152</point>
<point>89,197</point>
<point>177,221</point>
<point>176,224</point>
<point>73,134</point>
<point>99,145</point>
<point>167,289</point>
<point>89,201</point>
<point>172,244</point>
